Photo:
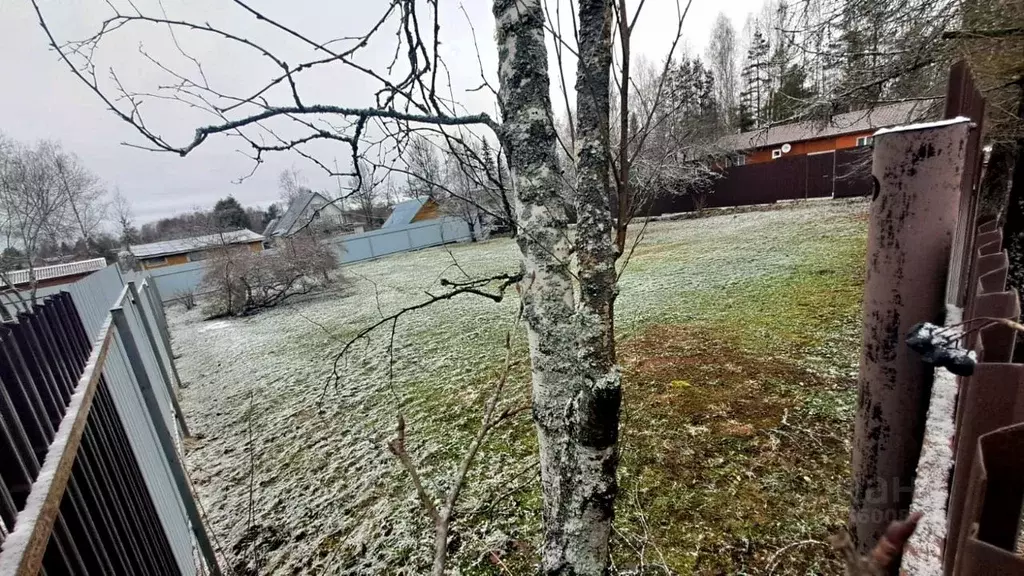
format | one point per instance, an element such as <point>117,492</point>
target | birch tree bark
<point>576,392</point>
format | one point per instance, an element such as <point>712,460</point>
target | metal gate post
<point>914,209</point>
<point>166,441</point>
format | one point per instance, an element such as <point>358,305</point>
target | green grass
<point>738,337</point>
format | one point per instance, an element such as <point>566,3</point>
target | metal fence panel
<point>154,319</point>
<point>94,296</point>
<point>426,236</point>
<point>974,436</point>
<point>964,99</point>
<point>354,249</point>
<point>175,280</point>
<point>87,510</point>
<point>853,173</point>
<point>418,235</point>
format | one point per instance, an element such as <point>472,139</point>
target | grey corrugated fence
<point>111,493</point>
<point>377,243</point>
<point>173,281</point>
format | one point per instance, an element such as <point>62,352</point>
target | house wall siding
<point>151,263</point>
<point>178,259</point>
<point>808,147</point>
<point>429,211</point>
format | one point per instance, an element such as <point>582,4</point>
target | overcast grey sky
<point>41,99</point>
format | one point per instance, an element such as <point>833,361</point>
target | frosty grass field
<point>738,336</point>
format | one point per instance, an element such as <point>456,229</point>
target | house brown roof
<point>850,122</point>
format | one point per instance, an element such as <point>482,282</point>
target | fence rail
<point>92,480</point>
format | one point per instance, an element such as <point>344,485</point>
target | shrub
<point>241,281</point>
<point>187,299</point>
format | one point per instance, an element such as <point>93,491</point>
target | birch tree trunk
<point>576,391</point>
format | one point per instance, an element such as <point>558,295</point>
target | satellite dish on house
<point>786,148</point>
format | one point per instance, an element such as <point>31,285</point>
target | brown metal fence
<point>73,499</point>
<point>978,440</point>
<point>987,484</point>
<point>964,99</point>
<point>838,174</point>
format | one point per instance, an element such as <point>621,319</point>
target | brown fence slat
<point>992,513</point>
<point>990,399</point>
<point>964,99</point>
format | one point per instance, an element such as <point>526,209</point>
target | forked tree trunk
<point>596,407</point>
<point>576,390</point>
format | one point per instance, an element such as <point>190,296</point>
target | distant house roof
<point>269,228</point>
<point>283,225</point>
<point>17,277</point>
<point>850,122</point>
<point>404,212</point>
<point>180,246</point>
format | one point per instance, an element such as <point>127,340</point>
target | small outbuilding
<point>196,248</point>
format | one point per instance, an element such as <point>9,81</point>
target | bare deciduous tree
<point>124,218</point>
<point>291,184</point>
<point>426,171</point>
<point>722,59</point>
<point>365,193</point>
<point>46,196</point>
<point>462,195</point>
<point>241,281</point>
<point>567,287</point>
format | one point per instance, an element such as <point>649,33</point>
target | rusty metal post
<point>914,209</point>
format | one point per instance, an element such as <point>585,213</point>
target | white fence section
<point>173,281</point>
<point>94,296</point>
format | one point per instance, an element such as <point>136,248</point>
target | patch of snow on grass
<point>329,497</point>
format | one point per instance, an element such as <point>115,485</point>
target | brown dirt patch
<point>704,379</point>
<point>721,457</point>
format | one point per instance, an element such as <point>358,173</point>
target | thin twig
<point>491,418</point>
<point>771,561</point>
<point>475,287</point>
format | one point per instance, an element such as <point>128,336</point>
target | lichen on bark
<point>576,383</point>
